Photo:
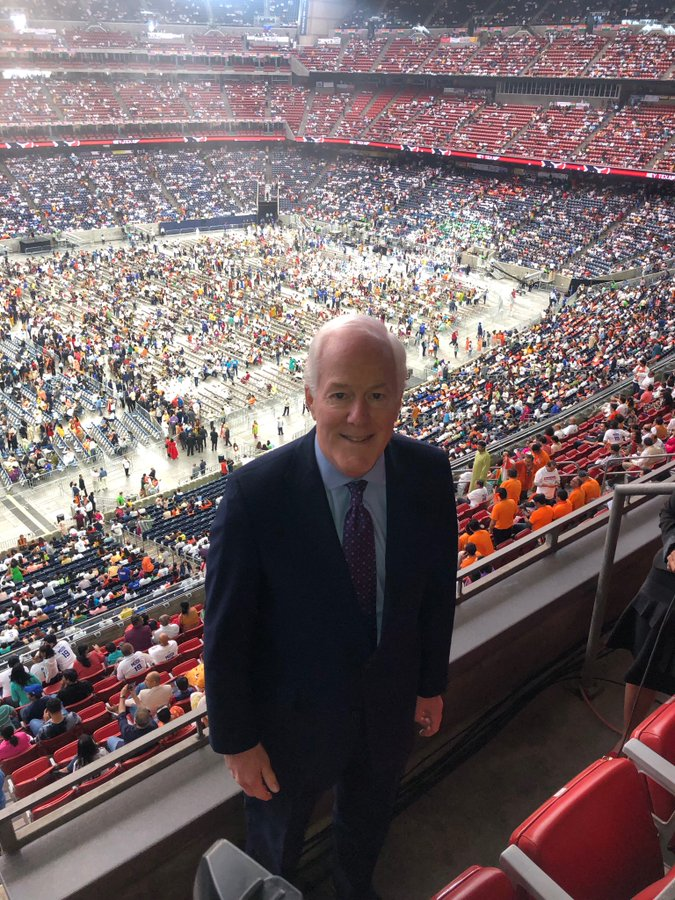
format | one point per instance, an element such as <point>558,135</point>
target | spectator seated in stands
<point>143,722</point>
<point>138,634</point>
<point>542,512</point>
<point>14,742</point>
<point>562,506</point>
<point>133,662</point>
<point>88,751</point>
<point>20,679</point>
<point>502,517</point>
<point>57,721</point>
<point>166,626</point>
<point>33,714</point>
<point>154,695</point>
<point>89,662</point>
<point>182,689</point>
<point>46,666</point>
<point>479,536</point>
<point>167,714</point>
<point>112,654</point>
<point>72,689</point>
<point>478,495</point>
<point>189,617</point>
<point>163,650</point>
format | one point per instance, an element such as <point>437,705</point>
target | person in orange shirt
<point>542,514</point>
<point>563,507</point>
<point>470,556</point>
<point>540,455</point>
<point>477,535</point>
<point>576,495</point>
<point>590,487</point>
<point>512,485</point>
<point>525,469</point>
<point>502,516</point>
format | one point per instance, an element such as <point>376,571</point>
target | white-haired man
<point>323,644</point>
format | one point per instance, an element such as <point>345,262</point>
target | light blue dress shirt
<point>375,501</point>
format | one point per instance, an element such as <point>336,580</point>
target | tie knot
<point>356,489</point>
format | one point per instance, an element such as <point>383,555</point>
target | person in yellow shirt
<point>563,506</point>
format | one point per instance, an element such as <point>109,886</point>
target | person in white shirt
<point>547,480</point>
<point>164,649</point>
<point>478,495</point>
<point>46,665</point>
<point>166,626</point>
<point>65,656</point>
<point>154,694</point>
<point>133,662</point>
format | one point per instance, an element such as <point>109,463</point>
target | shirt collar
<point>332,478</point>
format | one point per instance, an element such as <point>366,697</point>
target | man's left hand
<point>428,714</point>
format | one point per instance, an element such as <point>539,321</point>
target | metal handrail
<point>12,842</point>
<point>622,492</point>
<point>547,540</point>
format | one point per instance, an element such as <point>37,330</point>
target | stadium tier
<point>194,189</point>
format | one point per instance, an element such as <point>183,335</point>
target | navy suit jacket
<point>287,656</point>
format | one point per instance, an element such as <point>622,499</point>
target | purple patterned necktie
<point>358,544</point>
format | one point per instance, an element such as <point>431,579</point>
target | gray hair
<point>365,325</point>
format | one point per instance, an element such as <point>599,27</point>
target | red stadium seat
<point>93,783</point>
<point>83,704</point>
<point>9,766</point>
<point>32,777</point>
<point>53,803</point>
<point>135,760</point>
<point>190,645</point>
<point>184,666</point>
<point>658,733</point>
<point>178,736</point>
<point>63,755</point>
<point>107,687</point>
<point>112,729</point>
<point>595,838</point>
<point>48,746</point>
<point>94,717</point>
<point>478,883</point>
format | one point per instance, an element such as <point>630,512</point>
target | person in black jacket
<point>647,629</point>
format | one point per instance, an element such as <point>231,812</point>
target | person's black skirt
<point>638,628</point>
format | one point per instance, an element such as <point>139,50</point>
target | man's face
<point>356,402</point>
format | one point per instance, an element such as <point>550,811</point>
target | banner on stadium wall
<point>459,40</point>
<point>303,15</point>
<point>234,221</point>
<point>547,164</point>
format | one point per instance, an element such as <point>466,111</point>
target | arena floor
<point>33,511</point>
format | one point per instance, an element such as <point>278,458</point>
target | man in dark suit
<point>330,599</point>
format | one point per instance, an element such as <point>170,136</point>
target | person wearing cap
<point>7,714</point>
<point>33,714</point>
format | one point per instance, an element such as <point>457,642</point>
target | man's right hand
<point>253,772</point>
